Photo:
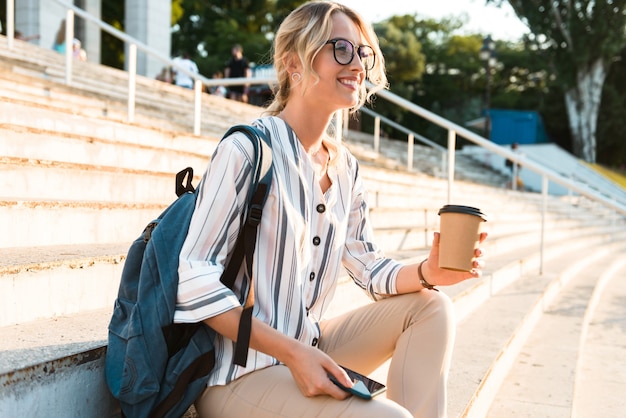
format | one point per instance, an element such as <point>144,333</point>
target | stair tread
<point>545,370</point>
<point>490,309</point>
<point>22,258</point>
<point>38,341</point>
<point>498,324</point>
<point>601,372</point>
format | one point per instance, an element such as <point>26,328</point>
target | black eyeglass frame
<point>358,50</point>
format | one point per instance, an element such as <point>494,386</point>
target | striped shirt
<point>304,239</point>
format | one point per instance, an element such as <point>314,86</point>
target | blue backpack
<point>156,368</point>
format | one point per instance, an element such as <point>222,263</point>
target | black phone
<point>363,387</point>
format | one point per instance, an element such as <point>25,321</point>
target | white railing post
<point>197,114</point>
<point>69,45</point>
<point>376,134</point>
<point>132,81</point>
<point>443,163</point>
<point>451,155</point>
<point>409,158</point>
<point>10,23</point>
<point>544,210</point>
<point>515,175</point>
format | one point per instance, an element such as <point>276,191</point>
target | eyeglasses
<point>343,51</point>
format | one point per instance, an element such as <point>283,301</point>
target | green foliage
<point>611,133</point>
<point>571,36</point>
<point>177,11</point>
<point>428,62</point>
<point>453,82</point>
<point>574,33</point>
<point>208,30</point>
<point>402,50</point>
<point>3,16</point>
<point>112,52</point>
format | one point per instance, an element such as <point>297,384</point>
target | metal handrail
<point>545,173</point>
<point>134,45</point>
<point>411,136</point>
<point>453,129</point>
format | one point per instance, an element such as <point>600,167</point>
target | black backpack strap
<point>246,240</point>
<point>200,367</point>
<point>183,181</point>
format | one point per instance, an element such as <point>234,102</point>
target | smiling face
<point>307,72</point>
<point>331,86</point>
<point>338,85</point>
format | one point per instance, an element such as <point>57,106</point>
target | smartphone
<point>364,387</point>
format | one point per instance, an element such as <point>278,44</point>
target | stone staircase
<point>540,334</point>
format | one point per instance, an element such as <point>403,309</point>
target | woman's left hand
<point>442,277</point>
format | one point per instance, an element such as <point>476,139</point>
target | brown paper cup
<point>459,229</point>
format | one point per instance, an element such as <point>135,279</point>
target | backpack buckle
<point>147,232</point>
<point>254,218</point>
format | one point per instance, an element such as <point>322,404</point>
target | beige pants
<point>415,330</point>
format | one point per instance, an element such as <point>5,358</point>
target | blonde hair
<point>305,32</point>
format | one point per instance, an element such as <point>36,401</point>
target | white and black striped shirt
<point>304,239</point>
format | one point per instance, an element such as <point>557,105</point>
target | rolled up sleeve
<point>212,234</point>
<point>364,261</point>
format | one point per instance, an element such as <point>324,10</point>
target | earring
<point>296,77</point>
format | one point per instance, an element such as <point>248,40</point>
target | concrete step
<point>393,153</point>
<point>50,282</point>
<point>89,341</point>
<point>61,296</point>
<point>45,119</point>
<point>40,180</point>
<point>152,96</point>
<point>25,268</point>
<point>27,223</point>
<point>551,350</point>
<point>169,155</point>
<point>600,378</point>
<point>489,339</point>
<point>55,368</point>
<point>73,227</point>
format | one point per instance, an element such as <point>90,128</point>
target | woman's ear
<point>292,64</point>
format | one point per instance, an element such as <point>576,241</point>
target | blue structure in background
<point>523,127</point>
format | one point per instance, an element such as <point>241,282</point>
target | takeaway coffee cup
<point>459,228</point>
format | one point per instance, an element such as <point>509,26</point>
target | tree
<point>208,30</point>
<point>580,39</point>
<point>611,126</point>
<point>404,62</point>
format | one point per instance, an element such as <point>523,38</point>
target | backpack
<point>156,368</point>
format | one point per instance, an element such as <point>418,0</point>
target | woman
<point>315,221</point>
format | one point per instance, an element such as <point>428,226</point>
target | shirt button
<point>316,240</point>
<point>311,276</point>
<point>314,342</point>
<point>321,208</point>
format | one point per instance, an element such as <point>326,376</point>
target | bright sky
<point>501,23</point>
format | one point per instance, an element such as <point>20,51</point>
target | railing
<point>453,129</point>
<point>545,173</point>
<point>131,61</point>
<point>411,136</point>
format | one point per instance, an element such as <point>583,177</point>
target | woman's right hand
<point>310,368</point>
<point>308,365</point>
